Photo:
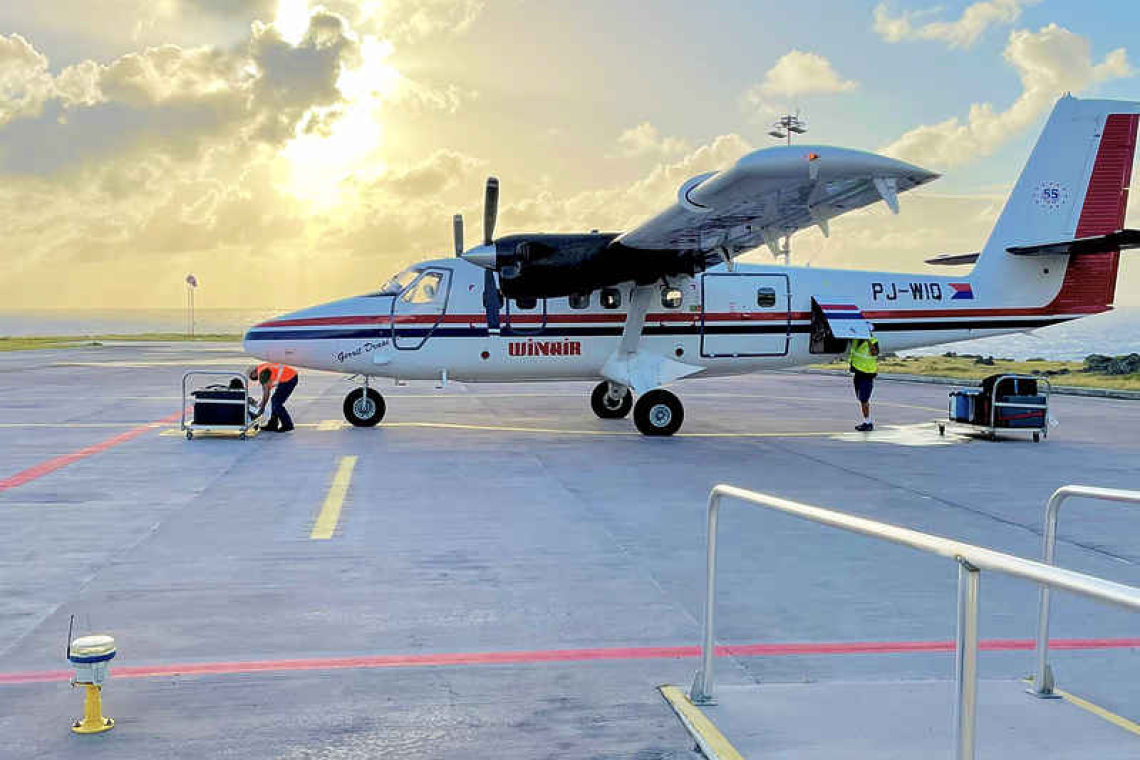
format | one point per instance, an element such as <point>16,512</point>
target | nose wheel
<point>609,406</point>
<point>658,413</point>
<point>364,407</point>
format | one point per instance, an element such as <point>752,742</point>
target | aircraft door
<point>420,308</point>
<point>745,314</point>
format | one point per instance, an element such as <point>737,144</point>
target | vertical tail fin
<point>1075,185</point>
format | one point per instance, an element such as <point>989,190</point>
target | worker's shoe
<point>866,427</point>
<point>284,429</point>
<point>271,426</point>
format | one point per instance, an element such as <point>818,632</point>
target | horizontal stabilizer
<point>1114,241</point>
<point>954,259</point>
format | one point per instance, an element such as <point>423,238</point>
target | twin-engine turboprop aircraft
<point>665,300</point>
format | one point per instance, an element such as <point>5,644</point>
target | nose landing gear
<point>611,402</point>
<point>364,407</point>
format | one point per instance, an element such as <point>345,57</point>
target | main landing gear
<point>364,407</point>
<point>658,412</point>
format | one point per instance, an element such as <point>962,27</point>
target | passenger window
<point>579,300</point>
<point>425,289</point>
<point>611,298</point>
<point>766,298</point>
<point>526,304</point>
<point>671,298</point>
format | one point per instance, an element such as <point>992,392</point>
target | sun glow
<point>341,142</point>
<point>292,20</point>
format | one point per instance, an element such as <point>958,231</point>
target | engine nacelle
<point>552,266</point>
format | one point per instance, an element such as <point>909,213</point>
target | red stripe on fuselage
<point>692,317</point>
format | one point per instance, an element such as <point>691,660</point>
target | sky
<point>289,152</point>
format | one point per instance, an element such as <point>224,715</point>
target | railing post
<point>1043,676</point>
<point>966,675</point>
<point>702,691</point>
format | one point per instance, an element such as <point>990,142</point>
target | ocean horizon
<point>1113,333</point>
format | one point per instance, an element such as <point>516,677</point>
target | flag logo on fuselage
<point>963,291</point>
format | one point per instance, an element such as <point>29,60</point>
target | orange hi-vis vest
<point>278,373</point>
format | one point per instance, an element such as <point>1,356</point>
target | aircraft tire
<point>658,413</point>
<point>364,407</point>
<point>599,402</point>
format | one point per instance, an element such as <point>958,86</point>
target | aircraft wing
<point>772,193</point>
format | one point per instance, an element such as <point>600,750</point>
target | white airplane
<point>665,300</point>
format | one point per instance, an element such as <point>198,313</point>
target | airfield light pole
<point>783,129</point>
<point>191,286</point>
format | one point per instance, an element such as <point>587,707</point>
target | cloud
<point>442,170</point>
<point>795,74</point>
<point>962,33</point>
<point>1049,62</point>
<point>24,79</point>
<point>646,140</point>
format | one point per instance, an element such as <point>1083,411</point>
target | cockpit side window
<point>426,289</point>
<point>396,285</point>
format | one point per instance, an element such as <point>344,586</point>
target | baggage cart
<point>219,407</point>
<point>1004,403</point>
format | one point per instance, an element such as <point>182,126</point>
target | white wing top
<point>773,193</point>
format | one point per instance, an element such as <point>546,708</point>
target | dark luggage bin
<point>219,406</point>
<point>1019,416</point>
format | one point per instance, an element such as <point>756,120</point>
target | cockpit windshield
<point>396,285</point>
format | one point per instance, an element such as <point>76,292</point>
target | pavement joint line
<point>708,737</point>
<point>529,657</point>
<point>327,520</point>
<point>51,465</point>
<point>1097,710</point>
<point>336,425</point>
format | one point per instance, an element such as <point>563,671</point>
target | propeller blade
<point>490,210</point>
<point>457,227</point>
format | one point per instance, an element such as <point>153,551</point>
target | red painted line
<point>51,465</point>
<point>563,655</point>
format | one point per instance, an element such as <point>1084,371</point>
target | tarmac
<point>505,575</point>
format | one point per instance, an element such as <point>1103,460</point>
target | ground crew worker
<point>864,367</point>
<point>282,379</point>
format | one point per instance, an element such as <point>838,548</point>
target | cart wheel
<point>189,436</point>
<point>941,430</point>
<point>241,436</point>
<point>1037,438</point>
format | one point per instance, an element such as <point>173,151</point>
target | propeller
<point>484,255</point>
<point>490,209</point>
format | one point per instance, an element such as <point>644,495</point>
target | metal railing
<point>971,561</point>
<point>1043,678</point>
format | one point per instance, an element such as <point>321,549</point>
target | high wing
<point>770,194</point>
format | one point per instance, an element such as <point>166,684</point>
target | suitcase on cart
<point>219,406</point>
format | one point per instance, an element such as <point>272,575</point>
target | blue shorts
<point>864,384</point>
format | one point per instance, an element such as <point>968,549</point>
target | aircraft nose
<point>254,341</point>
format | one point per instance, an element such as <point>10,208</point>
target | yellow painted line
<point>1097,710</point>
<point>707,736</point>
<point>327,520</point>
<point>329,425</point>
<point>1100,712</point>
<point>506,429</point>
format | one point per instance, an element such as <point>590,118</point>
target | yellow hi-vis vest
<point>859,355</point>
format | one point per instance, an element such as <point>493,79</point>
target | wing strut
<point>630,365</point>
